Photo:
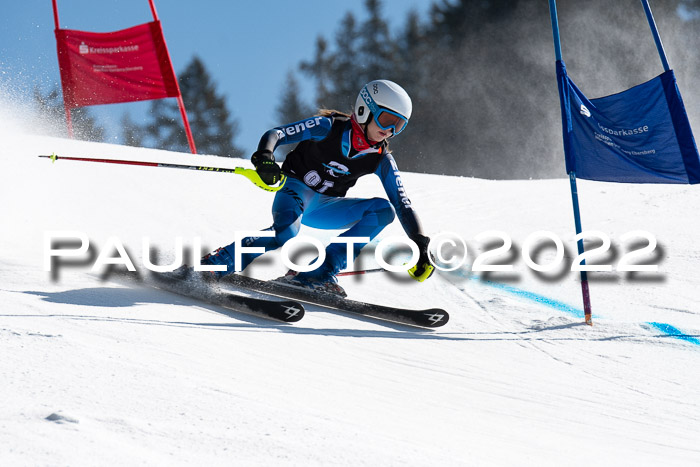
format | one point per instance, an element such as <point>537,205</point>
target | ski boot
<point>187,272</point>
<point>318,281</point>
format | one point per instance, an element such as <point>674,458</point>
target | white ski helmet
<point>387,102</point>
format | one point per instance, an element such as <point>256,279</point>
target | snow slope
<point>96,373</point>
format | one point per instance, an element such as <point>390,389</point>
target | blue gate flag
<point>641,135</point>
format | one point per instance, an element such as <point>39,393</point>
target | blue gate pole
<point>555,28</point>
<point>655,33</point>
<point>585,291</point>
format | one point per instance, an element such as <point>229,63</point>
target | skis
<point>287,311</point>
<point>431,318</point>
<point>290,307</point>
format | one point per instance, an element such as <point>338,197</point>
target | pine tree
<point>336,73</point>
<point>291,108</point>
<point>414,49</point>
<point>377,49</point>
<point>212,127</point>
<point>319,69</point>
<point>346,65</point>
<point>51,110</point>
<point>362,52</point>
<point>481,77</point>
<point>132,134</point>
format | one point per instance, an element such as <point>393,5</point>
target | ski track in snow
<point>97,372</point>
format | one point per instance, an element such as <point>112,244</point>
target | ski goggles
<point>384,118</point>
<point>389,120</point>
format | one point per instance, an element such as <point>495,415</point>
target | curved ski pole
<point>254,177</point>
<point>250,174</point>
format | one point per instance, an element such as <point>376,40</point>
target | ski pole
<point>250,174</point>
<point>357,273</point>
<point>420,278</point>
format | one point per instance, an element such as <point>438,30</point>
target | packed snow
<point>97,372</point>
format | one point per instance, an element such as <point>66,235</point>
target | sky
<point>248,47</point>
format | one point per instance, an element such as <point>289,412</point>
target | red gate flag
<point>122,66</point>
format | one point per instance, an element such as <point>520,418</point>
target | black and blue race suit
<point>320,170</point>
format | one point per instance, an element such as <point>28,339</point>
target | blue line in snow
<point>674,332</point>
<point>664,328</point>
<point>550,302</point>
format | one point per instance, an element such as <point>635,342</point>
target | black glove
<point>264,162</point>
<point>423,268</point>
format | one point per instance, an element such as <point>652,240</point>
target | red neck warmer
<point>359,140</point>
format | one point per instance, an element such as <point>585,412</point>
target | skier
<point>334,150</point>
